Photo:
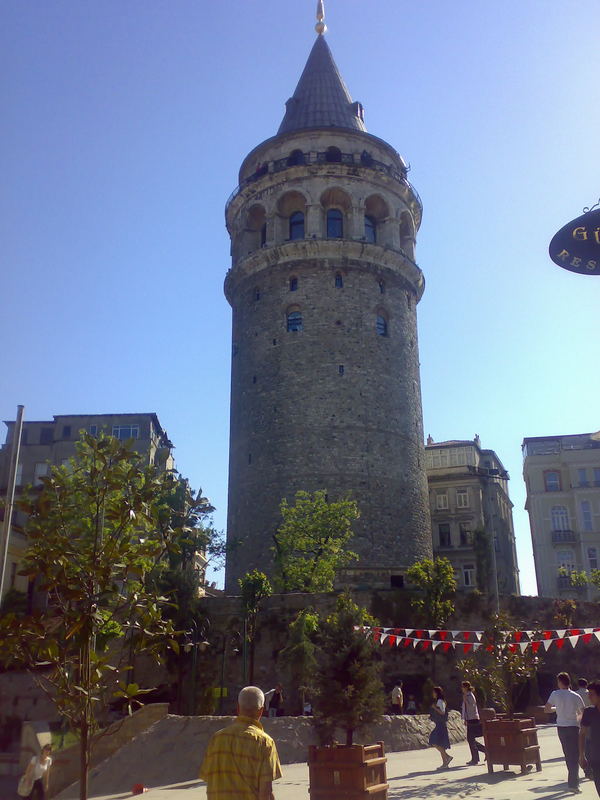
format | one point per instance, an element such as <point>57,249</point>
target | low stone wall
<point>171,751</point>
<point>65,767</point>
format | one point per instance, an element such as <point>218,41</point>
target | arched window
<point>381,325</point>
<point>370,229</point>
<point>560,518</point>
<point>335,224</point>
<point>333,155</point>
<point>339,281</point>
<point>295,157</point>
<point>382,287</point>
<point>297,225</point>
<point>294,321</point>
<point>293,284</point>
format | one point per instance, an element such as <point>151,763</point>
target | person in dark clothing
<point>470,715</point>
<point>589,735</point>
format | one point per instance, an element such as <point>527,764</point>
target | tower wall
<point>335,405</point>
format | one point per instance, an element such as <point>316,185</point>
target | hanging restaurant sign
<point>576,246</point>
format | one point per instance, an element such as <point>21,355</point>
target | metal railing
<point>559,537</point>
<point>349,159</point>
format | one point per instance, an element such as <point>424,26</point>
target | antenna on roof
<point>320,27</point>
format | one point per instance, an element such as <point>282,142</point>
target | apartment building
<point>562,477</point>
<point>48,443</point>
<point>468,497</point>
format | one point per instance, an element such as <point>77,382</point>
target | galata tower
<point>323,286</point>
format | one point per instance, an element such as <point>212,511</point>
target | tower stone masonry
<point>325,386</point>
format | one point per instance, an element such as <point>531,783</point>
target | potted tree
<point>347,694</point>
<point>502,668</point>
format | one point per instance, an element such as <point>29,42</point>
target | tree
<point>348,692</point>
<point>255,587</point>
<point>299,654</point>
<point>97,530</point>
<point>499,667</point>
<point>311,543</point>
<point>437,584</point>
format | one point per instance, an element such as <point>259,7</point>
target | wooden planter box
<point>511,742</point>
<point>350,772</point>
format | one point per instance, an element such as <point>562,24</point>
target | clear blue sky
<point>123,127</point>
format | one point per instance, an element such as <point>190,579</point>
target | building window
<point>441,501</point>
<point>552,481</point>
<point>586,516</point>
<point>335,224</point>
<point>293,284</point>
<point>339,281</point>
<point>565,559</point>
<point>39,471</point>
<point>462,498</point>
<point>295,158</point>
<point>66,433</point>
<point>47,436</point>
<point>469,574</point>
<point>24,434</point>
<point>381,287</point>
<point>596,476</point>
<point>297,225</point>
<point>19,475</point>
<point>444,534</point>
<point>381,325</point>
<point>592,554</point>
<point>582,478</point>
<point>560,518</point>
<point>126,431</point>
<point>370,229</point>
<point>294,321</point>
<point>333,155</point>
<point>93,430</point>
<point>256,294</point>
<point>341,369</point>
<point>263,234</point>
<point>465,535</point>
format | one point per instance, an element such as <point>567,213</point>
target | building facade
<point>562,477</point>
<point>325,385</point>
<point>471,514</point>
<point>52,442</point>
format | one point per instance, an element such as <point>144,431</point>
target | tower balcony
<point>348,162</point>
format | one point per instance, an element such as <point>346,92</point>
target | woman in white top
<point>39,770</point>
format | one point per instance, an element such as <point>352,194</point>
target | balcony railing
<point>349,159</point>
<point>562,537</point>
<point>565,582</point>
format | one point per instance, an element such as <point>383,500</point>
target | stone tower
<point>325,386</point>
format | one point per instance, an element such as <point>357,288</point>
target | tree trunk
<point>251,663</point>
<point>84,761</point>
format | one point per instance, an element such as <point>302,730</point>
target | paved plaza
<point>412,775</point>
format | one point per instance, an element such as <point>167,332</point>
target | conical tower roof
<point>321,99</point>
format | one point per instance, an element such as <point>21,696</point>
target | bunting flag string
<point>469,641</point>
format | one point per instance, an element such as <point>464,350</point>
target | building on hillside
<point>470,511</point>
<point>562,478</point>
<point>52,442</point>
<point>323,286</point>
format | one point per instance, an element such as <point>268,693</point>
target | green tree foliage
<point>311,543</point>
<point>499,668</point>
<point>98,530</point>
<point>347,688</point>
<point>299,654</point>
<point>255,587</point>
<point>437,587</point>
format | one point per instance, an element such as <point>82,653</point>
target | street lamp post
<point>196,641</point>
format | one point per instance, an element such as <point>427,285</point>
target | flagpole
<point>10,495</point>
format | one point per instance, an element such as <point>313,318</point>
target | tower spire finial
<point>320,27</point>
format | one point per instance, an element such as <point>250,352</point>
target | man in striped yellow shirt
<point>241,761</point>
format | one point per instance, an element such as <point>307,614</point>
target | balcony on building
<point>563,536</point>
<point>564,582</point>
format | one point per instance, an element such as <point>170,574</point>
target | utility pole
<point>10,495</point>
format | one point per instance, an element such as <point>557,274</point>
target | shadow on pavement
<point>438,789</point>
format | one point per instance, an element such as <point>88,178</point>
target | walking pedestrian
<point>274,698</point>
<point>397,698</point>
<point>241,760</point>
<point>438,737</point>
<point>470,715</point>
<point>569,708</point>
<point>582,691</point>
<point>38,773</point>
<point>589,735</point>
